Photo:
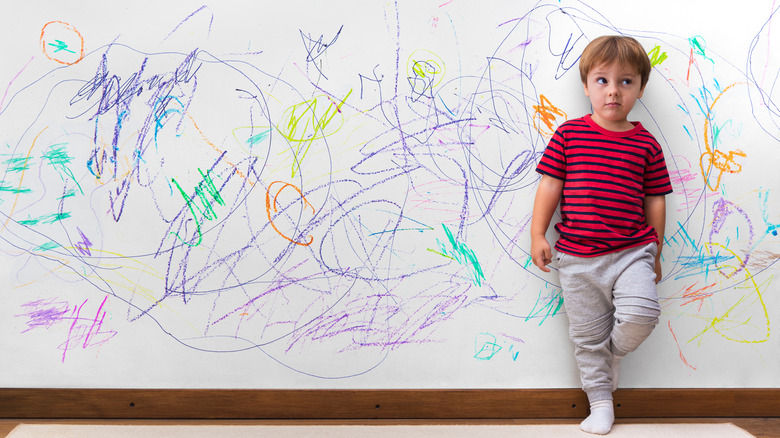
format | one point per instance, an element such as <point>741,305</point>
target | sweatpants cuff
<point>598,394</point>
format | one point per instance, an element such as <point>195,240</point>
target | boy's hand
<point>541,253</point>
<point>658,273</point>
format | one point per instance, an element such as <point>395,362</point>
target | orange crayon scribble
<point>102,155</point>
<point>269,205</point>
<point>714,159</point>
<point>58,50</point>
<point>203,136</point>
<point>697,295</point>
<point>682,356</point>
<point>547,114</point>
<point>54,272</point>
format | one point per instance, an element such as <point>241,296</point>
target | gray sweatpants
<point>612,305</point>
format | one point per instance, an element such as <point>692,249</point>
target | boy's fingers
<point>541,260</point>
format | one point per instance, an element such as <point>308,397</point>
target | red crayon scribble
<point>682,357</point>
<point>691,61</point>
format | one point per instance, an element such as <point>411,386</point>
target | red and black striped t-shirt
<point>606,176</point>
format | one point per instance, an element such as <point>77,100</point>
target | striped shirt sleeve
<point>553,162</point>
<point>656,179</point>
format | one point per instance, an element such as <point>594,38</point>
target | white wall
<point>338,194</point>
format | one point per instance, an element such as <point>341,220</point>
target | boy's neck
<point>614,126</point>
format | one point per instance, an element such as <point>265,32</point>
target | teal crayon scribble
<point>47,246</point>
<point>45,219</point>
<point>462,254</point>
<point>763,197</point>
<point>7,187</point>
<point>698,45</point>
<point>552,304</point>
<point>60,46</point>
<point>16,163</point>
<point>486,346</point>
<point>258,138</point>
<point>58,157</point>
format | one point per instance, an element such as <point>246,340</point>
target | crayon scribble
<point>346,196</point>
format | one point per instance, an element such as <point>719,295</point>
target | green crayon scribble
<point>205,187</point>
<point>656,56</point>
<point>305,122</point>
<point>440,253</point>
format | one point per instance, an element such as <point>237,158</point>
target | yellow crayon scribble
<point>306,122</point>
<point>731,324</point>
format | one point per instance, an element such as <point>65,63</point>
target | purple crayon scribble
<point>84,331</point>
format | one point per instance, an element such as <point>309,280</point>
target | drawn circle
<point>62,43</point>
<point>426,64</point>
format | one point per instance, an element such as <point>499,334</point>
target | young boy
<point>610,177</point>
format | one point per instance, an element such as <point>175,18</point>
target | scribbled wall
<point>309,194</point>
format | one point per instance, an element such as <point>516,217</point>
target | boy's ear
<point>585,85</point>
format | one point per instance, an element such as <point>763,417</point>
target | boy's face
<point>613,89</point>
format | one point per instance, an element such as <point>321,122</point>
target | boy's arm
<point>655,215</point>
<point>548,194</point>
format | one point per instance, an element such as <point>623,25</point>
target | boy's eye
<point>626,81</point>
<point>601,81</point>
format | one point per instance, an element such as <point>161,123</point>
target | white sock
<point>615,371</point>
<point>602,415</point>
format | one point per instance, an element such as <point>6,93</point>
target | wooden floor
<point>760,427</point>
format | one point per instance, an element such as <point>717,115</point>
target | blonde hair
<point>619,49</point>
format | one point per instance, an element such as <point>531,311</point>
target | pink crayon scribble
<point>12,81</point>
<point>85,332</point>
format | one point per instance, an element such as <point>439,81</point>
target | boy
<point>610,177</point>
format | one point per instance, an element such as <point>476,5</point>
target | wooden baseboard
<point>377,404</point>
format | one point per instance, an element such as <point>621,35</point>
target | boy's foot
<point>602,415</point>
